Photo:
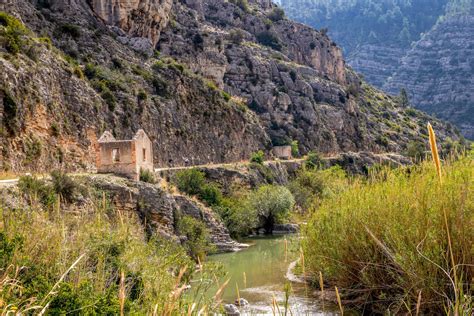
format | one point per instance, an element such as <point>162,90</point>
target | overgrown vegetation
<point>258,157</point>
<point>197,241</point>
<point>193,182</point>
<point>96,261</point>
<point>399,241</point>
<point>12,33</point>
<point>311,186</point>
<point>147,176</point>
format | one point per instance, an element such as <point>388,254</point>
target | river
<point>265,271</point>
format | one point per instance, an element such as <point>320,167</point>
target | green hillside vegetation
<point>399,240</point>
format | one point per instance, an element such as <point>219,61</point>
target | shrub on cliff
<point>211,194</point>
<point>34,189</point>
<point>257,157</point>
<point>12,32</point>
<point>147,176</point>
<point>193,182</point>
<point>313,160</point>
<point>197,242</point>
<point>276,14</point>
<point>63,185</point>
<point>190,181</point>
<point>269,39</point>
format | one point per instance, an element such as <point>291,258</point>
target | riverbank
<point>399,241</point>
<point>259,273</point>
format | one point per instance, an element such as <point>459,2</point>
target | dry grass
<point>91,259</point>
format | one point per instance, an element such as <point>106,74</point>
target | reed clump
<point>400,241</point>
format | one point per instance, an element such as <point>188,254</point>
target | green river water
<point>266,275</point>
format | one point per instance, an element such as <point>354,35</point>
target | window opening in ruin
<point>115,155</point>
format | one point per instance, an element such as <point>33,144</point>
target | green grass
<point>70,258</point>
<point>384,240</point>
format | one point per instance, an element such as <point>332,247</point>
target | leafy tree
<point>272,205</point>
<point>190,181</point>
<point>416,150</point>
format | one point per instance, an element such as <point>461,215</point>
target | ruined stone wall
<point>126,165</point>
<point>283,152</point>
<point>144,154</point>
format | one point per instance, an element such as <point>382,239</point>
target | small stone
<point>241,302</point>
<point>231,309</point>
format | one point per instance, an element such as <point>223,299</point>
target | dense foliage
<point>398,238</point>
<point>193,182</point>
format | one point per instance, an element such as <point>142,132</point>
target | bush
<point>142,95</point>
<point>277,14</point>
<point>210,194</point>
<point>313,160</point>
<point>33,149</point>
<point>257,157</point>
<point>190,181</point>
<point>272,205</point>
<point>63,185</point>
<point>109,98</point>
<point>12,33</point>
<point>70,29</point>
<point>310,186</point>
<point>10,111</point>
<point>147,176</point>
<point>35,189</point>
<point>239,217</point>
<point>236,36</point>
<point>416,150</point>
<point>383,242</point>
<point>242,4</point>
<point>226,96</point>
<point>197,241</point>
<point>295,151</point>
<point>269,39</point>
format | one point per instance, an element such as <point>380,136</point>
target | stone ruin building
<point>124,157</point>
<point>282,152</point>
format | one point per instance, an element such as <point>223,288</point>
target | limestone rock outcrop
<point>139,18</point>
<point>159,209</point>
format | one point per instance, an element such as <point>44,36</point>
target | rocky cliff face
<point>438,72</point>
<point>422,46</point>
<point>139,18</point>
<point>224,80</point>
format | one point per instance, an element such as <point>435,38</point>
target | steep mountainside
<point>374,34</point>
<point>422,46</point>
<point>438,72</point>
<point>210,81</point>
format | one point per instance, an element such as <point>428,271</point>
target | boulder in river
<point>231,309</point>
<point>241,302</point>
<point>286,229</point>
